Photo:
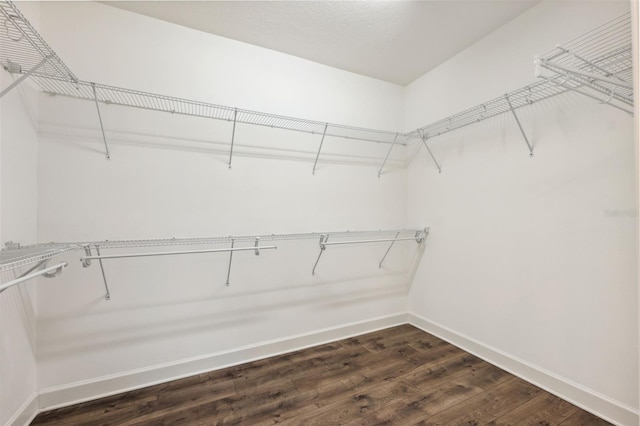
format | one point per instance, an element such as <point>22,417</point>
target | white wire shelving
<point>597,64</point>
<point>33,258</point>
<point>174,105</point>
<point>508,102</point>
<point>12,259</point>
<point>15,258</point>
<point>24,51</point>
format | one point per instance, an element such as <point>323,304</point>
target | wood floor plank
<point>486,406</point>
<point>582,418</point>
<point>543,410</point>
<point>397,376</point>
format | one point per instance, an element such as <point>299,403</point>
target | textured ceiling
<point>395,41</point>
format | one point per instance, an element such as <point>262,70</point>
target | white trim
<point>61,396</point>
<point>585,398</point>
<point>26,413</point>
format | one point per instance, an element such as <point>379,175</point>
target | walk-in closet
<point>319,212</point>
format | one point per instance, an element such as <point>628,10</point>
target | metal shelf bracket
<point>388,250</point>
<point>107,295</point>
<point>519,126</point>
<point>423,138</point>
<point>48,272</point>
<point>324,133</point>
<point>104,137</point>
<point>323,247</point>
<point>23,76</point>
<point>233,135</point>
<point>233,242</point>
<point>388,153</point>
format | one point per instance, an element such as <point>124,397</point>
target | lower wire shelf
<point>14,259</point>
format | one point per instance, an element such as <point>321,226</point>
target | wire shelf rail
<point>598,63</point>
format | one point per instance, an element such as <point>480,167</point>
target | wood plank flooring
<point>397,376</point>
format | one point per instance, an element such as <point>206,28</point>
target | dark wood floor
<point>400,375</point>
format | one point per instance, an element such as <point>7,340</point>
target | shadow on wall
<point>16,308</point>
<point>143,324</point>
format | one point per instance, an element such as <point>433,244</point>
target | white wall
<point>535,258</point>
<point>168,177</point>
<point>18,213</point>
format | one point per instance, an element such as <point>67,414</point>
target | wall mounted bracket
<point>423,138</point>
<point>513,111</point>
<point>324,133</point>
<point>49,272</point>
<point>104,137</point>
<point>12,69</point>
<point>388,153</point>
<point>323,247</point>
<point>233,135</point>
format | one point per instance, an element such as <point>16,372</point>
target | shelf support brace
<point>520,126</point>
<point>104,138</point>
<point>323,247</point>
<point>107,295</point>
<point>24,76</point>
<point>42,264</point>
<point>387,157</point>
<point>320,147</point>
<point>233,242</point>
<point>424,141</point>
<point>233,137</point>
<point>388,250</point>
<point>49,272</point>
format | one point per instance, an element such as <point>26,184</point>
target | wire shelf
<point>11,259</point>
<point>151,101</point>
<point>163,242</point>
<point>600,61</point>
<point>22,49</point>
<point>524,96</point>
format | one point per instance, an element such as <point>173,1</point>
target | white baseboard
<point>26,413</point>
<point>587,399</point>
<point>74,393</point>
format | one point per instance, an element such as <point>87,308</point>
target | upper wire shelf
<point>151,101</point>
<point>524,96</point>
<point>24,51</point>
<point>598,64</point>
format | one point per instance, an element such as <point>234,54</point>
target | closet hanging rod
<point>46,272</point>
<point>173,253</point>
<point>419,236</point>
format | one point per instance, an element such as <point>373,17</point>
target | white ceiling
<point>395,41</point>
